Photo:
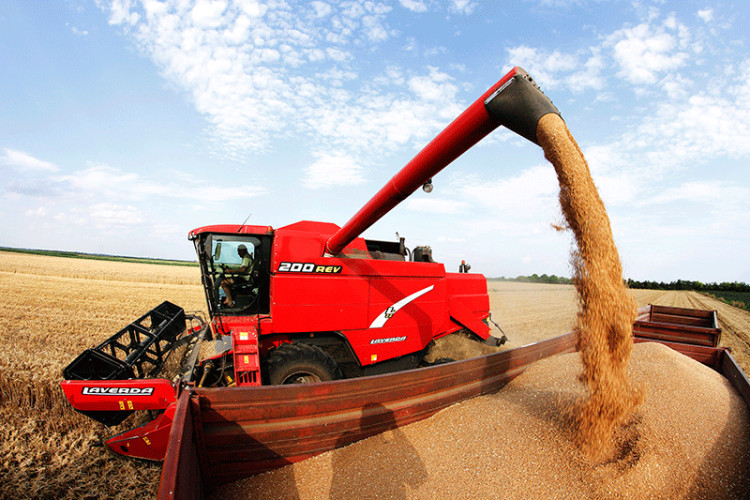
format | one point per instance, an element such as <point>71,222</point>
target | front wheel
<point>300,364</point>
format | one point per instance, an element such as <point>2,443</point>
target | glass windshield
<point>226,250</point>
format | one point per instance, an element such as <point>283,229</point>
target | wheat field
<point>53,308</point>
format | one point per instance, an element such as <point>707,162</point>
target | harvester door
<point>239,266</point>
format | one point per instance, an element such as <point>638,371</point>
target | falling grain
<point>605,321</point>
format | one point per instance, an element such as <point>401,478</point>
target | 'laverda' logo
<point>118,391</point>
<point>387,340</point>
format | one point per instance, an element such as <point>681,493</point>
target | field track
<point>55,307</point>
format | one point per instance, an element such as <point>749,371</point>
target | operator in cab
<point>242,273</point>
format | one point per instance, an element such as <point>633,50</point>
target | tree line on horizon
<point>698,286</point>
<point>535,278</point>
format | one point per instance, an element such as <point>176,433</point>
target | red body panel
<point>404,315</point>
<point>246,354</point>
<point>468,302</point>
<point>148,441</point>
<point>301,303</point>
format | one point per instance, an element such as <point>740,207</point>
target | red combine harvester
<point>308,302</point>
<point>310,315</point>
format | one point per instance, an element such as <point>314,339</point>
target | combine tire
<point>300,364</point>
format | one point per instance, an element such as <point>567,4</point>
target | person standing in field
<point>242,273</point>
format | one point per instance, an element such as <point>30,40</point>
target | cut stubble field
<point>54,308</point>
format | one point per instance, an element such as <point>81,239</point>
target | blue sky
<point>124,124</point>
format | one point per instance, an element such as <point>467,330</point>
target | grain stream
<point>607,310</point>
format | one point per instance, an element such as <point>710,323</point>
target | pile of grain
<point>689,439</point>
<point>459,346</point>
<point>605,320</point>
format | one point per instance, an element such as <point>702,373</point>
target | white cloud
<point>679,137</point>
<point>696,191</point>
<point>522,206</point>
<point>530,191</point>
<point>102,180</point>
<point>333,170</point>
<point>102,217</point>
<point>25,162</point>
<point>254,73</point>
<point>208,13</point>
<point>462,6</point>
<point>450,239</point>
<point>707,15</point>
<point>378,122</point>
<point>321,9</point>
<point>676,86</point>
<point>121,12</point>
<point>721,202</point>
<point>702,128</point>
<point>37,212</point>
<point>435,205</point>
<point>414,5</point>
<point>555,69</point>
<point>433,87</point>
<point>646,51</point>
<point>646,54</point>
<point>114,215</point>
<point>78,31</point>
<point>99,181</point>
<point>103,208</point>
